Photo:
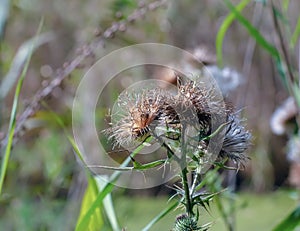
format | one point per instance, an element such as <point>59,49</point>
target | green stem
<point>184,172</point>
<point>170,152</point>
<point>188,202</point>
<point>196,179</point>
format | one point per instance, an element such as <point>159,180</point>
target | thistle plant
<point>197,129</point>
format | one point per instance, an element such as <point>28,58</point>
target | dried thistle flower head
<point>236,141</point>
<point>141,112</point>
<point>210,107</point>
<point>145,111</point>
<point>202,98</point>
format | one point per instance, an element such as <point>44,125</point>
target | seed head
<point>144,112</point>
<point>141,113</point>
<point>209,107</point>
<point>236,141</point>
<point>203,100</point>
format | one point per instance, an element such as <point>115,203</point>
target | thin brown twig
<point>282,45</point>
<point>66,70</point>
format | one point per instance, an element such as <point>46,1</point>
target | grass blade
<point>161,215</point>
<point>291,222</point>
<point>85,218</point>
<point>12,122</point>
<point>91,192</point>
<point>296,34</point>
<point>224,27</point>
<point>253,31</point>
<point>105,191</point>
<point>263,43</point>
<point>107,203</point>
<point>90,209</point>
<point>104,186</point>
<point>93,188</point>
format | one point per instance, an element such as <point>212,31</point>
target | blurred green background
<point>45,182</point>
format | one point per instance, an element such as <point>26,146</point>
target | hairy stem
<point>196,179</point>
<point>184,172</point>
<point>188,201</point>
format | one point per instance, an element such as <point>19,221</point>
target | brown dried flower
<point>144,112</point>
<point>141,113</point>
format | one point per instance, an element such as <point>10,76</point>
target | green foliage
<point>123,5</point>
<point>139,166</point>
<point>50,164</point>
<point>107,188</point>
<point>285,4</point>
<point>291,222</point>
<point>283,65</point>
<point>161,215</point>
<point>93,189</point>
<point>12,122</point>
<point>28,214</point>
<point>296,34</point>
<point>223,29</point>
<point>92,209</point>
<point>108,203</point>
<point>95,222</point>
<point>252,211</point>
<point>37,179</point>
<point>253,31</point>
<point>296,92</point>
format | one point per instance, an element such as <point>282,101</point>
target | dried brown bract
<point>140,114</point>
<point>193,104</point>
